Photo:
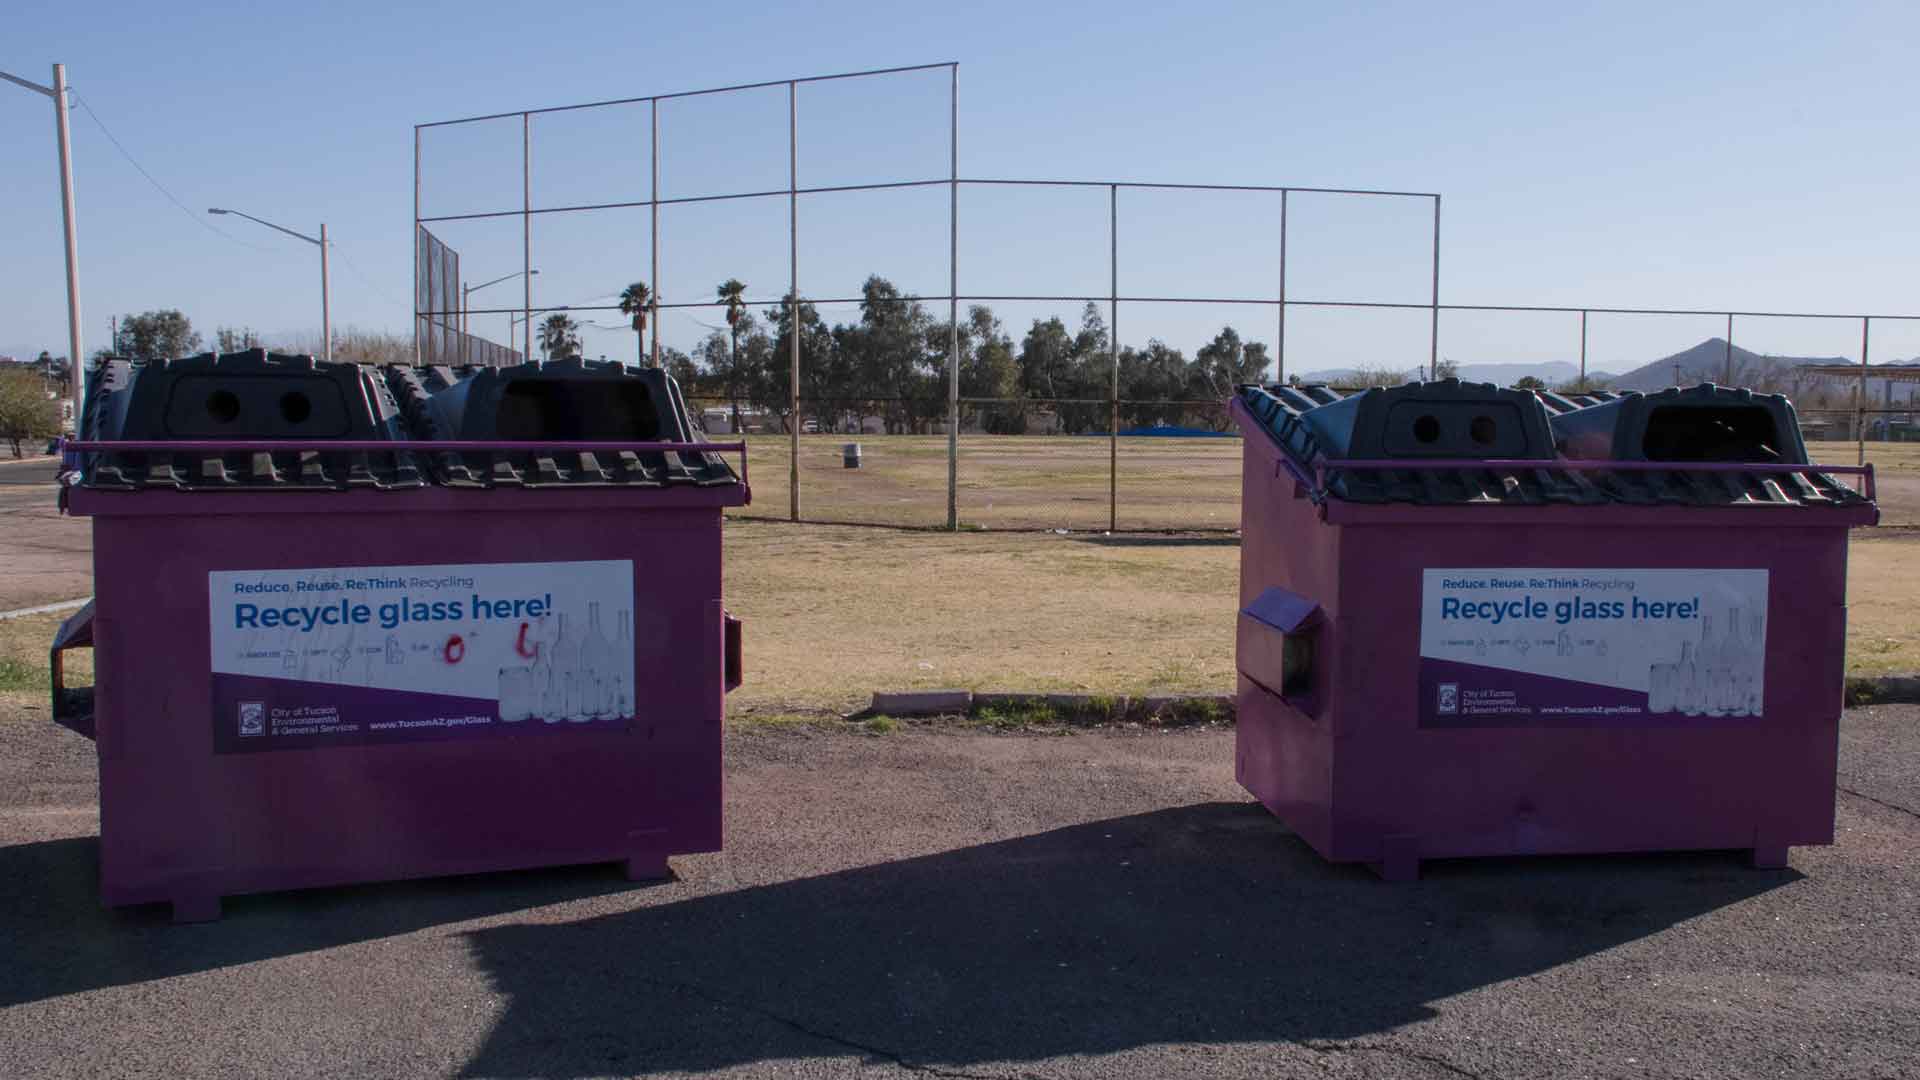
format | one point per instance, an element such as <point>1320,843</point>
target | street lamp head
<point>215,210</point>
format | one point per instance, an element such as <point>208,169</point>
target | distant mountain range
<point>1551,372</point>
<point>1709,361</point>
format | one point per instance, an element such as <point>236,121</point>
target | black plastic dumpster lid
<point>569,400</point>
<point>1709,427</point>
<point>1444,420</point>
<point>253,396</point>
<point>1705,424</point>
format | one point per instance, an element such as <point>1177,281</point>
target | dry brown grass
<point>1003,481</point>
<point>1048,482</point>
<point>834,613</point>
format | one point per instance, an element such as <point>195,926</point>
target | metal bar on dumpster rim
<point>1322,468</point>
<point>378,446</point>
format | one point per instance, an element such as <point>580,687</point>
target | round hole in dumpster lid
<point>295,407</point>
<point>223,406</point>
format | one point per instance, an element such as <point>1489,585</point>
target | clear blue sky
<point>1668,155</point>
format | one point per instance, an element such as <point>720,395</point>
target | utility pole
<point>58,92</point>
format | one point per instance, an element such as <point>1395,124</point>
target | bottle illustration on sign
<point>577,677</point>
<point>597,666</point>
<point>623,694</point>
<point>1720,675</point>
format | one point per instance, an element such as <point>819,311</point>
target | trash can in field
<point>1474,625</point>
<point>354,624</point>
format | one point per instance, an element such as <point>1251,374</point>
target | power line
<point>198,219</point>
<point>362,275</point>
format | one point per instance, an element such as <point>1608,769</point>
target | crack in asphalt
<point>841,1040</point>
<point>1393,1051</point>
<point>1881,802</point>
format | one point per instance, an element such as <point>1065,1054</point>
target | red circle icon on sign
<point>455,650</point>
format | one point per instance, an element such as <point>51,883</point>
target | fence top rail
<point>1582,465</point>
<point>1160,185</point>
<point>882,185</point>
<point>694,93</point>
<point>1254,301</point>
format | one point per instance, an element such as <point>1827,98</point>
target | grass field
<point>1004,482</point>
<point>834,613</point>
<point>1060,482</point>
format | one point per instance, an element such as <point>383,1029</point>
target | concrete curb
<point>43,609</point>
<point>1072,708</point>
<point>1883,690</point>
<point>1203,708</point>
<point>920,703</point>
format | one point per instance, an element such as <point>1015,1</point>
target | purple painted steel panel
<point>181,823</point>
<point>1362,777</point>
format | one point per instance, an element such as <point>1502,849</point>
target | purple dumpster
<point>318,661</point>
<point>1456,640</point>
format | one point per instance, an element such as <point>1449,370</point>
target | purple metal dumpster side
<point>191,813</point>
<point>1345,758</point>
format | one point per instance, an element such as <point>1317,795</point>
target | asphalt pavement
<point>47,557</point>
<point>976,905</point>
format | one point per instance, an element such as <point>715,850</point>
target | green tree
<point>822,374</point>
<point>157,335</point>
<point>1221,365</point>
<point>732,292</point>
<point>1446,369</point>
<point>1528,382</point>
<point>988,369</point>
<point>559,337</point>
<point>26,410</point>
<point>230,339</point>
<point>888,358</point>
<point>1152,382</point>
<point>637,302</point>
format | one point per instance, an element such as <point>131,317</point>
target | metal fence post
<point>953,303</point>
<point>526,224</point>
<point>1583,351</point>
<point>793,296</point>
<point>653,234</point>
<point>1433,341</point>
<point>1113,351</point>
<point>1860,398</point>
<point>416,254</point>
<point>1280,330</point>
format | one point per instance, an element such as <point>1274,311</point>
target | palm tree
<point>559,337</point>
<point>731,293</point>
<point>637,301</point>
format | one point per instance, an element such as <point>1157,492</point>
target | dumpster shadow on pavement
<point>1206,923</point>
<point>55,938</point>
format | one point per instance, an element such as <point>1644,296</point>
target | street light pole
<point>326,304</point>
<point>326,300</point>
<point>467,291</point>
<point>76,361</point>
